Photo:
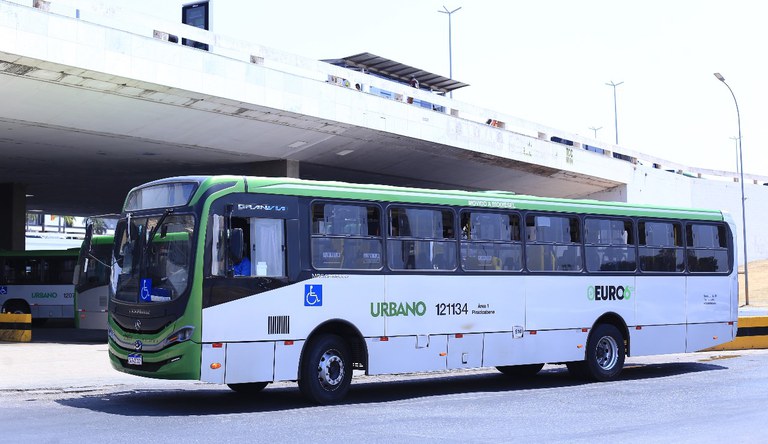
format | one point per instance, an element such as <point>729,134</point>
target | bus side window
<point>609,245</point>
<point>490,241</point>
<point>421,239</point>
<point>661,247</point>
<point>707,248</point>
<point>556,245</point>
<point>346,236</point>
<point>267,247</point>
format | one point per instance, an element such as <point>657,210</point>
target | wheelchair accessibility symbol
<point>313,295</point>
<point>146,290</point>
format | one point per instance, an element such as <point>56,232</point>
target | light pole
<point>615,114</point>
<point>736,141</point>
<point>595,130</point>
<point>743,199</point>
<point>450,52</point>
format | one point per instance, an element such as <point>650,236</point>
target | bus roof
<point>483,199</point>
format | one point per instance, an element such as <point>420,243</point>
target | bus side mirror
<point>236,244</point>
<point>85,250</point>
<point>88,238</point>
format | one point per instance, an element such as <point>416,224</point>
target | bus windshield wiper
<point>152,233</point>
<point>150,238</point>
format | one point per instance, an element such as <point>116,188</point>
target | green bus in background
<point>38,282</point>
<point>91,279</point>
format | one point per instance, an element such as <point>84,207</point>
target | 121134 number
<point>454,309</point>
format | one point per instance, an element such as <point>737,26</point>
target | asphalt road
<point>66,392</point>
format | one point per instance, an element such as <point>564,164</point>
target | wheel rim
<point>330,370</point>
<point>607,352</point>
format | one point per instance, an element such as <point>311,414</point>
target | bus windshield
<point>92,267</point>
<point>152,263</point>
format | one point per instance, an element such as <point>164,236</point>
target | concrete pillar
<point>13,210</point>
<point>276,168</point>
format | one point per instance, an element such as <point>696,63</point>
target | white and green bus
<point>38,282</point>
<point>381,279</point>
<point>92,282</point>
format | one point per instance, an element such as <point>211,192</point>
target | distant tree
<point>99,226</point>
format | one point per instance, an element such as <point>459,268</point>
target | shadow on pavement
<point>63,331</point>
<point>216,401</point>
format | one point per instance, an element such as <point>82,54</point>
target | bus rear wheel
<point>326,371</point>
<point>17,307</point>
<point>521,371</point>
<point>604,358</point>
<point>248,388</point>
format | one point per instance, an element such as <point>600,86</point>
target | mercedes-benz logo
<point>137,324</point>
<point>137,345</point>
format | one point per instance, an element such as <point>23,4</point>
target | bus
<point>386,280</point>
<point>91,282</point>
<point>38,282</point>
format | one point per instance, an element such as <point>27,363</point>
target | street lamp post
<point>615,113</point>
<point>743,199</point>
<point>736,142</point>
<point>595,130</point>
<point>450,52</point>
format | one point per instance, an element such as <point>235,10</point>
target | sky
<point>548,61</point>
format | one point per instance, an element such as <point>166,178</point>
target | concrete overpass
<point>98,101</point>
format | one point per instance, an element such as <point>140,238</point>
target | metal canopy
<point>397,71</point>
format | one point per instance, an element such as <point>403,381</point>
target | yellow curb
<point>15,327</point>
<point>752,333</point>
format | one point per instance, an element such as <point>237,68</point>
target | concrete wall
<point>710,194</point>
<point>659,187</point>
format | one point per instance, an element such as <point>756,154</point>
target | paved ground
<point>64,393</point>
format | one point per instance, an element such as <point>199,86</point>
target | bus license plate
<point>135,359</point>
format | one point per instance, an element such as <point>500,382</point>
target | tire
<point>249,388</point>
<point>605,353</point>
<point>325,372</point>
<point>521,371</point>
<point>17,307</point>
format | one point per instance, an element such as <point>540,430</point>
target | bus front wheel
<point>326,371</point>
<point>604,357</point>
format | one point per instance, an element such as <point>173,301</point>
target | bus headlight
<point>181,335</point>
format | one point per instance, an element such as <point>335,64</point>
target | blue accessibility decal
<point>3,289</point>
<point>313,295</point>
<point>146,290</point>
